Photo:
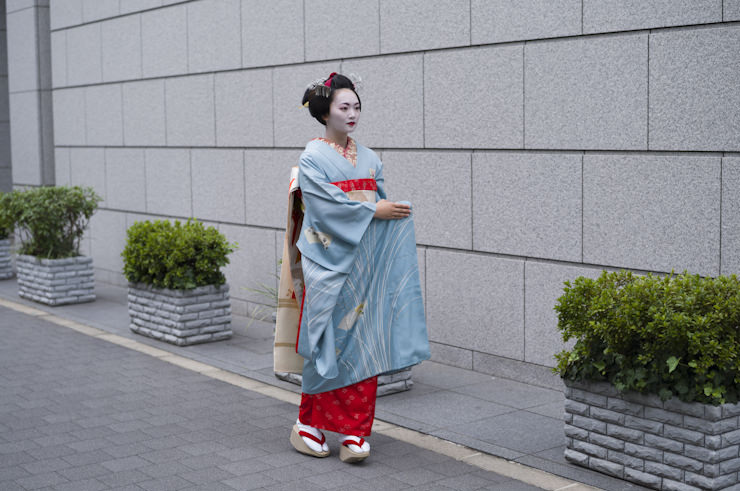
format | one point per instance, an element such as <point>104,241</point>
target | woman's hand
<point>388,210</point>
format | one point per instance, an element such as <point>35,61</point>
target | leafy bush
<point>52,220</point>
<point>175,255</point>
<point>7,216</point>
<point>677,335</point>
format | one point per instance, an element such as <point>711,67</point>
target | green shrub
<point>7,216</point>
<point>677,335</point>
<point>52,220</point>
<point>175,255</point>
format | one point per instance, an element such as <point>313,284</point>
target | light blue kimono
<point>362,313</point>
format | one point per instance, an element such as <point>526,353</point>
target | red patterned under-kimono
<point>349,410</point>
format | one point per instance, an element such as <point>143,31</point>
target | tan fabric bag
<point>290,291</point>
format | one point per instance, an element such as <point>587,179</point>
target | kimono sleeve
<point>380,181</point>
<point>331,211</point>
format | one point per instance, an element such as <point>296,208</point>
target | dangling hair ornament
<point>356,81</point>
<point>320,87</point>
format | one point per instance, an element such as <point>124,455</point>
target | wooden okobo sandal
<point>356,454</point>
<point>296,438</point>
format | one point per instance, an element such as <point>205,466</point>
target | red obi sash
<point>357,185</point>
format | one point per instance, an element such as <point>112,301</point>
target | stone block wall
<point>6,260</point>
<point>538,140</point>
<point>56,281</point>
<point>669,445</point>
<point>181,317</point>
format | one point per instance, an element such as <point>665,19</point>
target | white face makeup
<point>344,112</point>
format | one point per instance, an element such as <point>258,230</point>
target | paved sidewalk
<point>508,419</point>
<point>79,413</point>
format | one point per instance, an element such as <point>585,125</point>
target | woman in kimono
<point>361,311</point>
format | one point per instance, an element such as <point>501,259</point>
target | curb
<point>487,462</point>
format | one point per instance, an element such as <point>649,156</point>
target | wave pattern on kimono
<point>362,312</point>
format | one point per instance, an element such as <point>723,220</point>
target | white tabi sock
<point>353,443</point>
<point>315,446</point>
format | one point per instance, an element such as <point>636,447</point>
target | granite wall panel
<point>168,182</point>
<point>500,21</point>
<point>69,116</point>
<point>218,184</point>
<point>25,137</point>
<point>260,21</point>
<point>694,92</point>
<point>329,38</point>
<point>730,216</point>
<point>84,60</point>
<point>121,40</point>
<point>625,15</point>
<point>413,25</point>
<point>442,206</point>
<point>572,85</point>
<point>244,108</point>
<point>486,312</point>
<point>144,113</point>
<point>65,13</point>
<point>473,98</point>
<point>527,204</point>
<point>190,114</point>
<point>164,38</point>
<point>125,176</point>
<point>104,115</point>
<point>214,35</point>
<point>655,213</point>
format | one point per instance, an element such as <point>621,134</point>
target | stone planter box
<point>662,445</point>
<point>6,265</point>
<point>181,317</point>
<point>56,281</point>
<point>389,383</point>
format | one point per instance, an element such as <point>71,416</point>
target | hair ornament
<point>315,83</point>
<point>322,91</point>
<point>356,81</point>
<point>320,87</point>
<point>328,80</point>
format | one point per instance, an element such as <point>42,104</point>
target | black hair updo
<point>318,102</point>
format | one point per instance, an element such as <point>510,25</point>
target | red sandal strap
<point>349,442</point>
<point>309,435</point>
